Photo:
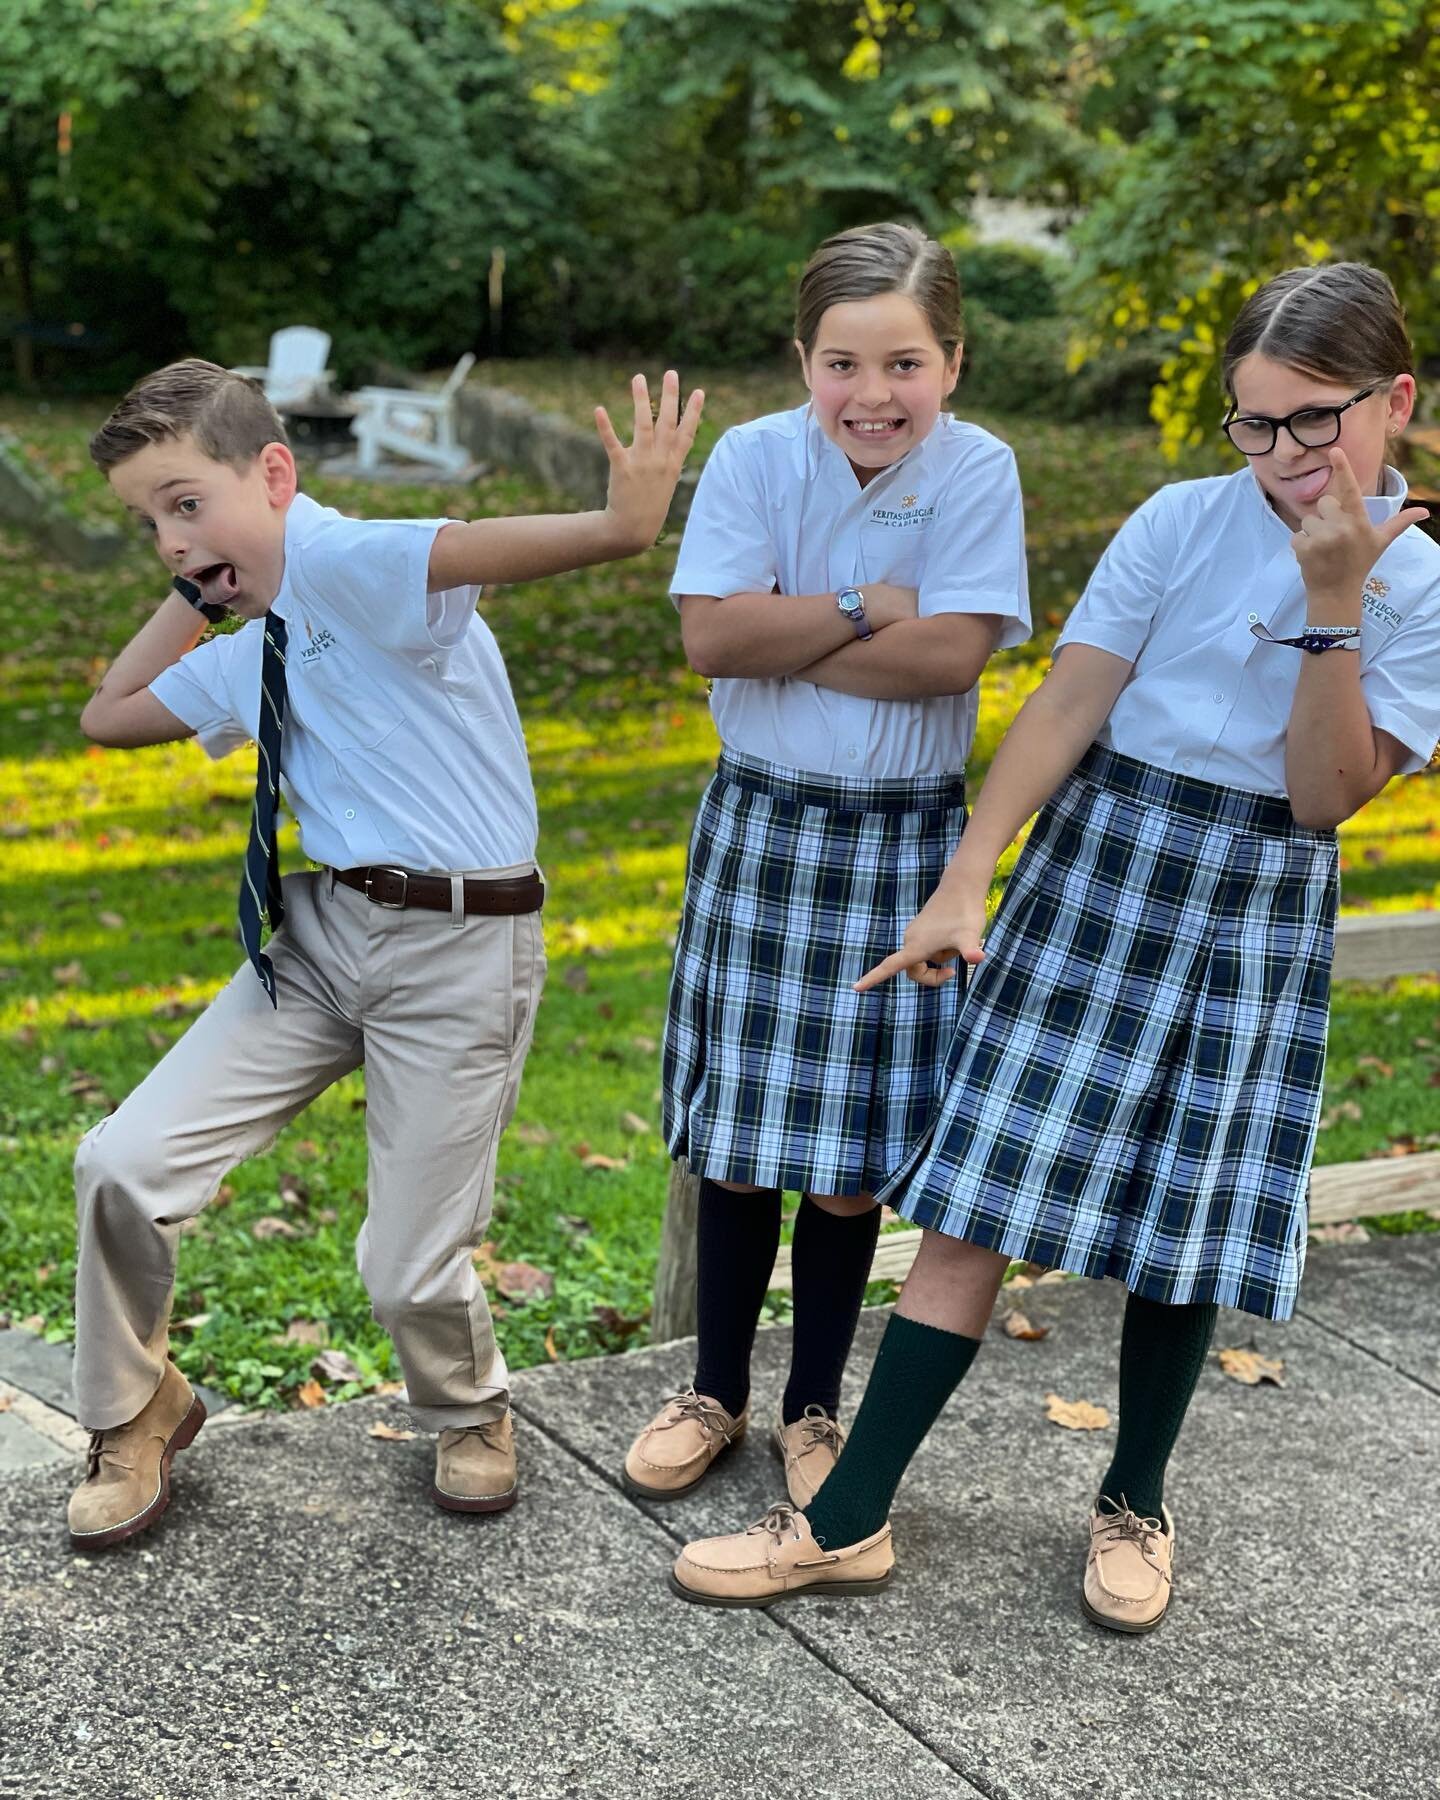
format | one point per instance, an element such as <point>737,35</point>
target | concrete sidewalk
<point>305,1622</point>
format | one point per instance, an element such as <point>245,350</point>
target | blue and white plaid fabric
<point>775,1071</point>
<point>1134,1086</point>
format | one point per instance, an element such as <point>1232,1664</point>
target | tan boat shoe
<point>776,1557</point>
<point>673,1454</point>
<point>127,1484</point>
<point>1127,1571</point>
<point>475,1467</point>
<point>809,1450</point>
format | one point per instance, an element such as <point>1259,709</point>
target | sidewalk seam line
<point>1365,1350</point>
<point>791,1630</point>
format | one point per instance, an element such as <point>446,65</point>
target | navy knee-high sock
<point>738,1237</point>
<point>830,1259</point>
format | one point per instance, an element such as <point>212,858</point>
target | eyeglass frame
<point>1234,416</point>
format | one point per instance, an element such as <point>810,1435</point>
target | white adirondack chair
<point>296,371</point>
<point>412,424</point>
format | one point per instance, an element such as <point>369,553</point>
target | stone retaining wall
<point>28,500</point>
<point>497,426</point>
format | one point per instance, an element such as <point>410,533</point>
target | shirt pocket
<point>351,707</point>
<point>893,553</point>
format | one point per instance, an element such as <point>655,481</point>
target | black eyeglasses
<point>1313,426</point>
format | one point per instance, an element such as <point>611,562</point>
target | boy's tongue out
<point>218,585</point>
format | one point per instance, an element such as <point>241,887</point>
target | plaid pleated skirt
<point>776,1072</point>
<point>1134,1086</point>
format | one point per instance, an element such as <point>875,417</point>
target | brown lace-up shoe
<point>475,1467</point>
<point>1127,1571</point>
<point>673,1454</point>
<point>775,1557</point>
<point>809,1450</point>
<point>127,1482</point>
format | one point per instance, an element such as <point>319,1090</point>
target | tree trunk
<point>673,1312</point>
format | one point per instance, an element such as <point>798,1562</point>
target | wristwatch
<point>852,603</point>
<point>188,591</point>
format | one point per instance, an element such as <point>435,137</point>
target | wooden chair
<point>296,373</point>
<point>413,425</point>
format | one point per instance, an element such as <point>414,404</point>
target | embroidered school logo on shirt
<point>1374,603</point>
<point>907,515</point>
<point>320,642</point>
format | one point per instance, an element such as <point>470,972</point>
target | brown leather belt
<point>397,888</point>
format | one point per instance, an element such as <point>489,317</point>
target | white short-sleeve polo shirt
<point>402,743</point>
<point>1177,592</point>
<point>778,507</point>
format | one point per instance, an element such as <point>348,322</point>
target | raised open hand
<point>643,476</point>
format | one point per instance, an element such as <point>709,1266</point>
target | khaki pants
<point>440,1008</point>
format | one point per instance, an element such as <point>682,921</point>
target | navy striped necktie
<point>260,889</point>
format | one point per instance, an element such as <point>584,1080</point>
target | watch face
<point>849,601</point>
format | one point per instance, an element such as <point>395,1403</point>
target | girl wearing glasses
<point>1134,1086</point>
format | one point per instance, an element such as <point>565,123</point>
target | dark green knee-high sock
<point>917,1368</point>
<point>1162,1351</point>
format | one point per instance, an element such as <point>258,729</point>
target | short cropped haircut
<point>1340,322</point>
<point>881,259</point>
<point>227,415</point>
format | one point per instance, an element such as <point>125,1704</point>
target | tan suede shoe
<point>809,1449</point>
<point>776,1557</point>
<point>673,1454</point>
<point>1127,1572</point>
<point>475,1468</point>
<point>127,1483</point>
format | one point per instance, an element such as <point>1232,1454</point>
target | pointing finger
<point>1343,485</point>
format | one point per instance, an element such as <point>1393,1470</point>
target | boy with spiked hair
<point>381,709</point>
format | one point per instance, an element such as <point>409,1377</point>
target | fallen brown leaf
<point>335,1365</point>
<point>550,1349</point>
<point>112,921</point>
<point>1347,1232</point>
<point>389,1434</point>
<point>596,1161</point>
<point>68,974</point>
<point>533,1135</point>
<point>1018,1326</point>
<point>1075,1415</point>
<point>523,1281</point>
<point>634,1124</point>
<point>271,1227</point>
<point>1250,1367</point>
<point>193,1323</point>
<point>303,1331</point>
<point>310,1393</point>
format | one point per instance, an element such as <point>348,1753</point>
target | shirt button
<point>1187,764</point>
<point>1219,699</point>
<point>349,812</point>
<point>1254,618</point>
<point>852,753</point>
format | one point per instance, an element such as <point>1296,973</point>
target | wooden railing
<point>1367,948</point>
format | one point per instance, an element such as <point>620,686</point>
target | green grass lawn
<point>120,869</point>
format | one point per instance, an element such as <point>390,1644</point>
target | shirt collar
<point>303,519</point>
<point>823,452</point>
<point>1379,506</point>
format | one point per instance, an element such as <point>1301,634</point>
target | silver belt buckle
<point>390,905</point>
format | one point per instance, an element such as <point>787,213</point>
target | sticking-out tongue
<point>1309,487</point>
<point>218,584</point>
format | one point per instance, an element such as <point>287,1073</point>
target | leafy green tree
<point>193,176</point>
<point>1247,137</point>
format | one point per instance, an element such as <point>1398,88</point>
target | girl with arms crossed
<point>847,569</point>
